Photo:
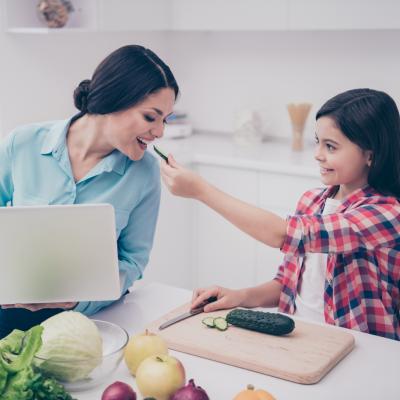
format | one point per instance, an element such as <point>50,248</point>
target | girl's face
<point>130,131</point>
<point>341,161</point>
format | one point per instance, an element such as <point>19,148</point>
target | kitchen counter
<point>222,150</point>
<point>368,372</point>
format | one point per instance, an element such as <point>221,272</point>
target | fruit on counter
<point>142,346</point>
<point>69,336</point>
<point>160,376</point>
<point>190,392</point>
<point>251,394</point>
<point>118,391</point>
<point>260,321</point>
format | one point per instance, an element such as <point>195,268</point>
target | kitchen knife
<point>188,314</point>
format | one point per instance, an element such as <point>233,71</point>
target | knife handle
<point>205,302</point>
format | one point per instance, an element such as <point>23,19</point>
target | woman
<point>97,156</point>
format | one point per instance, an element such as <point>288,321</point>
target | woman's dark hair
<point>370,119</point>
<point>123,79</point>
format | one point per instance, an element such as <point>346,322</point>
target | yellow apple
<point>142,346</point>
<point>160,376</point>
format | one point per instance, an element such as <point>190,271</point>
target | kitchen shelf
<point>21,16</point>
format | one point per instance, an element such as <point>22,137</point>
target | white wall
<point>219,73</point>
<point>39,72</point>
<point>223,72</point>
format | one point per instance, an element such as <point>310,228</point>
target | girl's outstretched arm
<point>262,225</point>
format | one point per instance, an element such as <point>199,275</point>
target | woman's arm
<point>262,225</point>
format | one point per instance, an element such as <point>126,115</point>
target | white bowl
<point>115,339</point>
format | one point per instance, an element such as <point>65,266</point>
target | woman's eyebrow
<point>159,112</point>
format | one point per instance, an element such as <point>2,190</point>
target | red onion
<point>190,392</point>
<point>118,391</point>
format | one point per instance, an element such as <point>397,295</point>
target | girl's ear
<point>368,154</point>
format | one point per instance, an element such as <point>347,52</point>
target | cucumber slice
<point>208,321</point>
<point>221,324</point>
<point>161,153</point>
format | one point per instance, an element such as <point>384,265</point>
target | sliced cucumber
<point>220,323</point>
<point>161,153</point>
<point>208,321</point>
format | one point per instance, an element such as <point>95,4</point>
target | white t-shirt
<point>310,299</point>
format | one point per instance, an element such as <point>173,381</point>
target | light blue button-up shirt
<point>35,169</point>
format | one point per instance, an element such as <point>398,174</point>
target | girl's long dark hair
<point>123,79</point>
<point>370,119</point>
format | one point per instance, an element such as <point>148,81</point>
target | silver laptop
<point>58,253</point>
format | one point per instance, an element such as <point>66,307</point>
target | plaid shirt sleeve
<point>368,226</point>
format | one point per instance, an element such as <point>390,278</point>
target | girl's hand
<point>40,306</point>
<point>181,181</point>
<point>227,298</point>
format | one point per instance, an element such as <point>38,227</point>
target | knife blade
<point>188,314</point>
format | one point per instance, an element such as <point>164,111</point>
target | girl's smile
<point>342,162</point>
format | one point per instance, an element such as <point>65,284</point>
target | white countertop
<point>222,150</point>
<point>370,371</point>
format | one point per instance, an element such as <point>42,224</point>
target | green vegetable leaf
<point>17,356</point>
<point>18,386</point>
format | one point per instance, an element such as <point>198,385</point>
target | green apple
<point>160,376</point>
<point>142,346</point>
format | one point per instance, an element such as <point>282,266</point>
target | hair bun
<point>81,95</point>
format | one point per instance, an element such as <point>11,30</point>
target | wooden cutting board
<point>303,356</point>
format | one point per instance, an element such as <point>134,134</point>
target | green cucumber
<point>161,153</point>
<point>220,323</point>
<point>260,321</point>
<point>208,321</point>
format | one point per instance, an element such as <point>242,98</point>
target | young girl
<point>342,246</point>
<point>97,156</point>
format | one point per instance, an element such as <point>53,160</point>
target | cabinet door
<point>224,255</point>
<point>222,15</point>
<point>170,257</point>
<point>132,15</point>
<point>343,14</point>
<point>279,193</point>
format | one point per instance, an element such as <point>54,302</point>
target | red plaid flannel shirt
<point>362,239</point>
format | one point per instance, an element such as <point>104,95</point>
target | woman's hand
<point>226,298</point>
<point>41,306</point>
<point>181,181</point>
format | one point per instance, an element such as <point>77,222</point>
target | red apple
<point>160,376</point>
<point>142,346</point>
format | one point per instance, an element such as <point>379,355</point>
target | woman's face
<point>341,161</point>
<point>130,131</point>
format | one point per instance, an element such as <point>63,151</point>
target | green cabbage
<point>72,347</point>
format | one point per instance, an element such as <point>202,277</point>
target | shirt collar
<point>353,197</point>
<point>55,142</point>
<point>55,137</point>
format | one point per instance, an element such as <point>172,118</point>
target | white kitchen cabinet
<point>134,15</point>
<point>279,193</point>
<point>171,254</point>
<point>229,15</point>
<point>20,16</point>
<point>343,14</point>
<point>222,254</point>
